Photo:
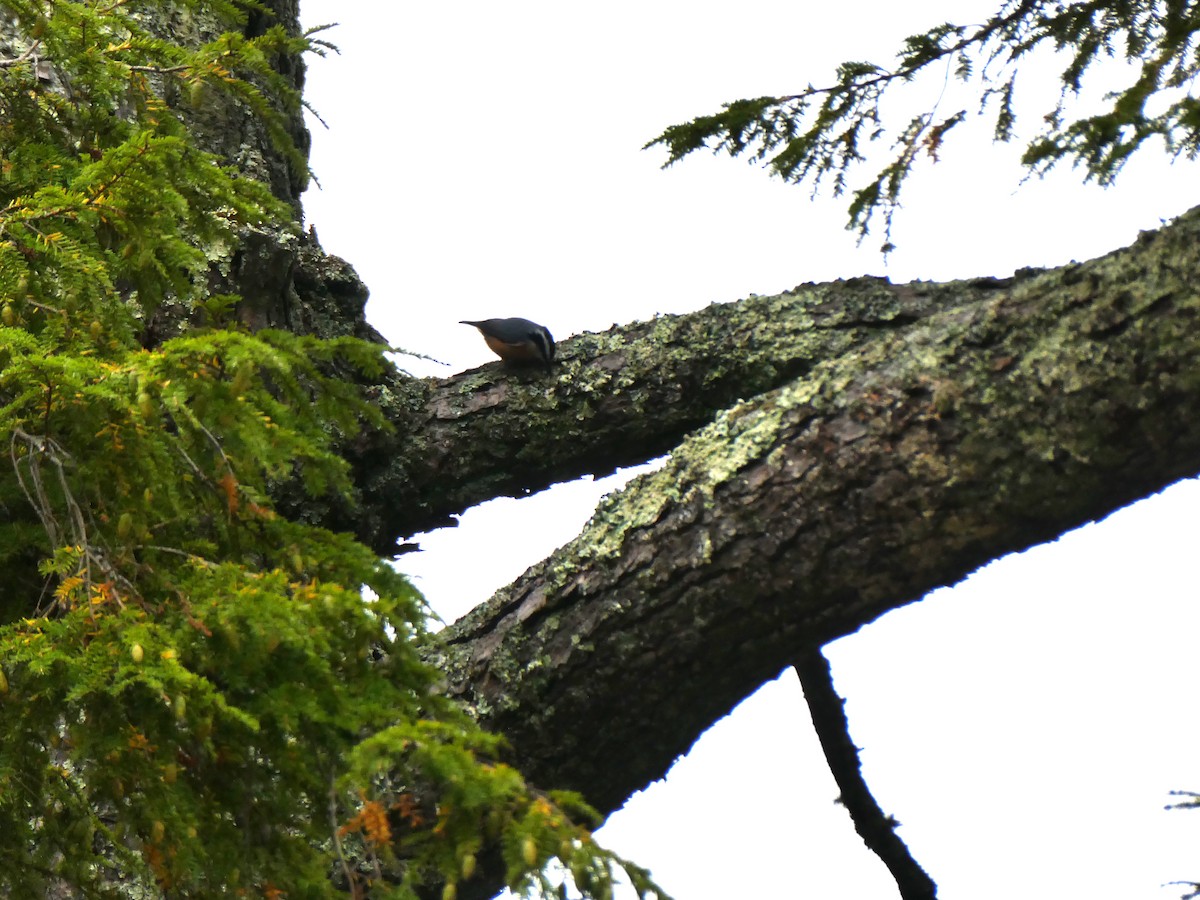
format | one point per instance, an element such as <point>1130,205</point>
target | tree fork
<point>632,393</point>
<point>802,514</point>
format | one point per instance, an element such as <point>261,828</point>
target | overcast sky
<point>1025,726</point>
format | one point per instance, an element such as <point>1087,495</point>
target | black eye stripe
<point>544,342</point>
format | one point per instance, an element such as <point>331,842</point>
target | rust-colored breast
<point>526,351</point>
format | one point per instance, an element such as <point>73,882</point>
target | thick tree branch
<point>614,399</point>
<point>800,515</point>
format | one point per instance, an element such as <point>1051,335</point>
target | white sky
<point>1026,726</point>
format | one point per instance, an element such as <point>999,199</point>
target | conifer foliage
<point>826,133</point>
<point>194,696</point>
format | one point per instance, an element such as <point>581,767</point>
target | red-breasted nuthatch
<point>517,340</point>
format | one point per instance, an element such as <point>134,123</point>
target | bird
<point>517,340</point>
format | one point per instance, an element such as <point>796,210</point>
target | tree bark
<point>613,399</point>
<point>1017,410</point>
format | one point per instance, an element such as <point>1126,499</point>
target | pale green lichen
<point>700,464</point>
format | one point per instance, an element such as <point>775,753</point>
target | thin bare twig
<point>24,57</point>
<point>160,70</point>
<point>29,472</point>
<point>877,830</point>
<point>337,839</point>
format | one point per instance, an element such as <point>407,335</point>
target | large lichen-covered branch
<point>614,399</point>
<point>1015,411</point>
<point>624,396</point>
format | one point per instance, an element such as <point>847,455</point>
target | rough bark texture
<point>1015,411</point>
<point>614,399</point>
